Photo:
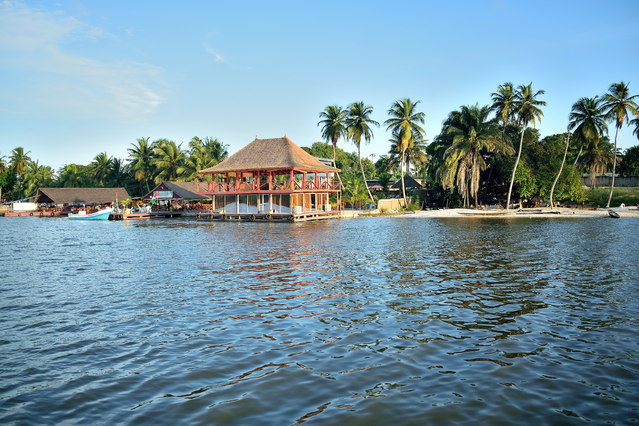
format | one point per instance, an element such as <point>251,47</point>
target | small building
<point>80,196</point>
<point>272,180</point>
<point>170,191</point>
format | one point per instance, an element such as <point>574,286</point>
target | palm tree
<point>119,173</point>
<point>3,164</point>
<point>415,153</point>
<point>527,111</point>
<point>472,133</point>
<point>504,103</point>
<point>169,161</point>
<point>37,176</point>
<point>358,125</point>
<point>588,122</point>
<point>18,163</point>
<point>73,176</point>
<point>141,157</point>
<point>404,123</point>
<point>333,121</point>
<point>100,168</point>
<point>618,105</point>
<point>635,122</point>
<point>597,156</point>
<point>216,150</point>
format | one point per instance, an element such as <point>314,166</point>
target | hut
<point>170,192</point>
<point>271,180</point>
<point>409,183</point>
<point>78,196</point>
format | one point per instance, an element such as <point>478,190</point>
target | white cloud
<point>218,57</point>
<point>32,42</point>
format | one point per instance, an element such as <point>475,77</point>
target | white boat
<point>99,215</point>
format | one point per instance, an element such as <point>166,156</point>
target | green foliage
<point>629,165</point>
<point>599,196</point>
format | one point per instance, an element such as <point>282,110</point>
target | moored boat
<point>613,214</point>
<point>99,215</point>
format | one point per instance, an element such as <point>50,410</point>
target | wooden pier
<point>140,216</point>
<point>262,217</point>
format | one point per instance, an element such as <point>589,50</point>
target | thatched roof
<point>183,190</point>
<point>270,154</point>
<point>80,195</point>
<point>409,182</point>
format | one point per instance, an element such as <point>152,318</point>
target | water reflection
<point>371,320</point>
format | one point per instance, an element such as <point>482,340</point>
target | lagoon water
<point>401,321</point>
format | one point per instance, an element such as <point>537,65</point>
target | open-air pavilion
<point>272,180</point>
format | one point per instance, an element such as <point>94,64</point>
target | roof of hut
<point>80,195</point>
<point>184,190</point>
<point>409,182</point>
<point>270,154</point>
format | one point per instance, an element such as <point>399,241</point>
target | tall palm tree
<point>358,125</point>
<point>587,120</point>
<point>18,162</point>
<point>527,111</point>
<point>141,158</point>
<point>404,121</point>
<point>216,150</point>
<point>333,122</point>
<point>618,105</point>
<point>101,168</point>
<point>504,103</point>
<point>471,133</point>
<point>169,161</point>
<point>415,153</point>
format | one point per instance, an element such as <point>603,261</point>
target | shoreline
<point>518,213</point>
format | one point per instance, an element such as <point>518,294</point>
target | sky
<point>82,77</point>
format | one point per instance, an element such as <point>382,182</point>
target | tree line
<point>494,148</point>
<point>148,163</point>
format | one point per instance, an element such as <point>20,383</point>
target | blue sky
<point>83,77</point>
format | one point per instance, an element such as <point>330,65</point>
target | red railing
<point>298,185</point>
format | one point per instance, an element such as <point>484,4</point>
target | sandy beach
<point>529,213</point>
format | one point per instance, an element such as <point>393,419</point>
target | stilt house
<point>272,180</point>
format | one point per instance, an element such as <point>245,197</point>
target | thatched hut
<point>79,196</point>
<point>271,179</point>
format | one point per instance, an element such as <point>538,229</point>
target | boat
<point>614,214</point>
<point>99,215</point>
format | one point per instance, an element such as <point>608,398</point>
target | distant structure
<point>272,180</point>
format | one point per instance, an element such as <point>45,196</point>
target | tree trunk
<point>512,179</point>
<point>361,166</point>
<point>552,189</point>
<point>614,165</point>
<point>403,184</point>
<point>581,148</point>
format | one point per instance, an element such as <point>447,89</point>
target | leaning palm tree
<point>472,134</point>
<point>504,103</point>
<point>527,111</point>
<point>141,156</point>
<point>404,122</point>
<point>358,125</point>
<point>587,120</point>
<point>618,105</point>
<point>333,122</point>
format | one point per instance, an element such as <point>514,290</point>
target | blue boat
<point>99,215</point>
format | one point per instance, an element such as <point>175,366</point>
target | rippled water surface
<point>394,321</point>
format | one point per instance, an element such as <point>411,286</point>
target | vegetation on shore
<point>487,151</point>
